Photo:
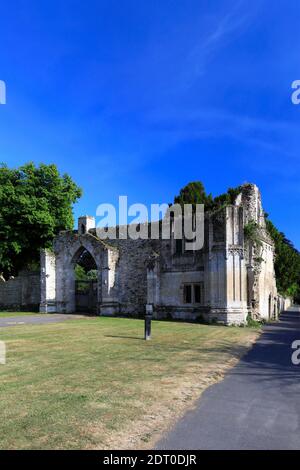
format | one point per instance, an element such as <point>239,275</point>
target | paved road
<point>35,319</point>
<point>256,406</point>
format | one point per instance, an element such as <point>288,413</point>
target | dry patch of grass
<point>95,383</point>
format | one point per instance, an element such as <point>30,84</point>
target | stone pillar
<point>236,271</point>
<point>109,303</point>
<point>227,271</point>
<point>48,282</point>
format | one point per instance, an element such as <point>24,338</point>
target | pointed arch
<point>84,258</point>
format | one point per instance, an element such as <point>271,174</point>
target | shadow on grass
<point>139,338</point>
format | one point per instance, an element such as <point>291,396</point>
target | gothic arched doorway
<point>86,282</point>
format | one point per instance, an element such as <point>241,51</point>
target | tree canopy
<point>35,204</point>
<point>194,193</point>
<point>287,263</point>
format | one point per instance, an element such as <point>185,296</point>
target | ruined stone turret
<point>85,224</point>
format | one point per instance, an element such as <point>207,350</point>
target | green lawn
<point>16,314</point>
<point>94,383</point>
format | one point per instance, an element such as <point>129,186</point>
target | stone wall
<point>135,275</point>
<point>132,274</point>
<point>21,293</point>
<point>268,296</point>
<point>48,282</point>
<point>262,289</point>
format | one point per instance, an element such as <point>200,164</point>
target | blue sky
<point>138,98</point>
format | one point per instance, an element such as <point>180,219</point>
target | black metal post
<point>148,318</point>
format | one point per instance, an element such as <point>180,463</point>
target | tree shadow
<point>270,359</point>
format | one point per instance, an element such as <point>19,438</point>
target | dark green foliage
<point>35,204</point>
<point>251,232</point>
<point>254,323</point>
<point>225,199</point>
<point>287,263</point>
<point>193,193</point>
<point>82,275</point>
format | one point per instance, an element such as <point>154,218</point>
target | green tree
<point>82,275</point>
<point>194,193</point>
<point>35,204</point>
<point>226,199</point>
<point>287,263</point>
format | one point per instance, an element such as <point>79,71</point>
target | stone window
<point>193,293</point>
<point>199,293</point>
<point>187,293</point>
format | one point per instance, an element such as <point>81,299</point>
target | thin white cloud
<point>276,140</point>
<point>224,31</point>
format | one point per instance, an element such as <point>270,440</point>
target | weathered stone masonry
<point>224,282</point>
<point>21,293</point>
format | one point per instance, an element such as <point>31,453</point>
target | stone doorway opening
<point>86,283</point>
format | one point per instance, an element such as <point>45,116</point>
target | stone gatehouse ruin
<point>227,280</point>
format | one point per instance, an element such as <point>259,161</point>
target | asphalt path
<point>256,406</point>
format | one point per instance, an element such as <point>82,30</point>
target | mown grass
<point>95,383</point>
<point>16,314</point>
